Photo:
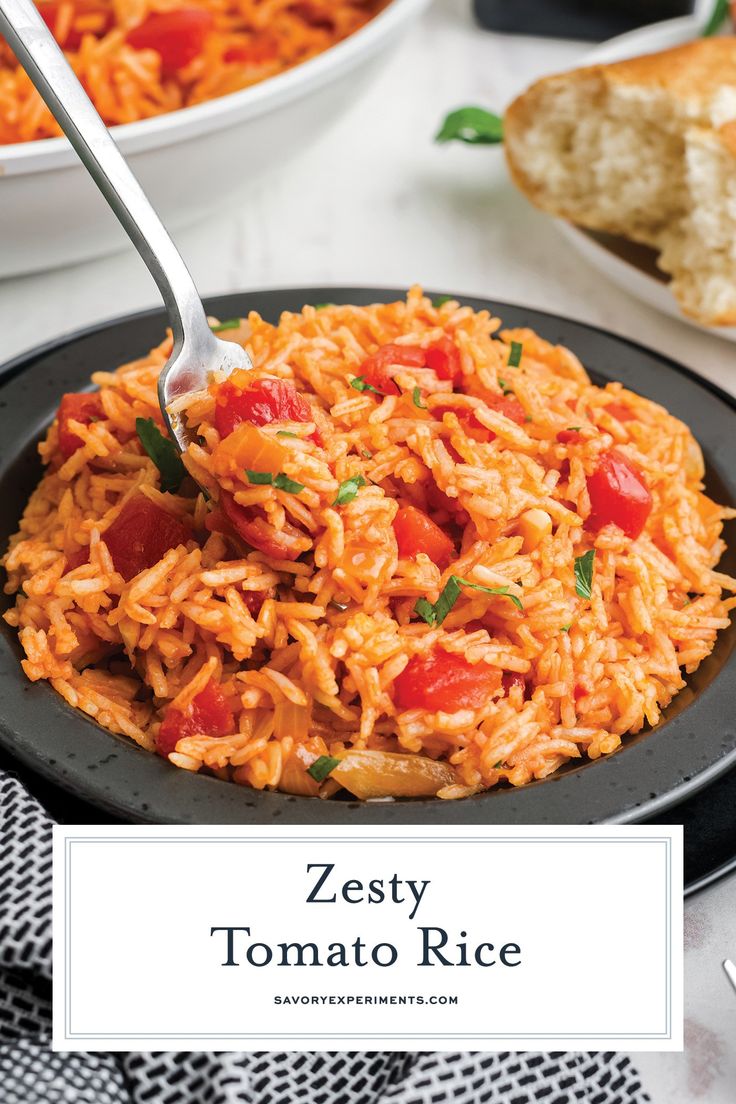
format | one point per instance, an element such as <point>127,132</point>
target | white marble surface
<point>376,202</point>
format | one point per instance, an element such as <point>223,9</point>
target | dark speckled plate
<point>695,742</point>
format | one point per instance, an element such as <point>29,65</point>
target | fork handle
<point>37,51</point>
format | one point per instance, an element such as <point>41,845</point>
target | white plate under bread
<point>629,264</point>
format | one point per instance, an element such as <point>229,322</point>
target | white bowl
<point>51,213</point>
<point>631,266</point>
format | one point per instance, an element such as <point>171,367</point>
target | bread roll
<point>645,148</point>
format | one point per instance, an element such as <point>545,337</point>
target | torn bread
<point>645,148</point>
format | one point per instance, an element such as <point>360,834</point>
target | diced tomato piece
<point>444,681</point>
<point>570,437</point>
<point>507,405</point>
<point>377,369</point>
<point>512,679</point>
<point>444,359</point>
<point>177,36</point>
<point>98,26</point>
<point>76,559</point>
<point>142,534</point>
<point>208,714</point>
<point>620,412</point>
<point>265,401</point>
<point>84,408</point>
<point>618,495</point>
<point>579,692</point>
<point>252,527</point>
<point>415,533</point>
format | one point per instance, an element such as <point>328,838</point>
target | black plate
<point>693,745</point>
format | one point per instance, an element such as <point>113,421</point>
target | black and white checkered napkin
<point>31,1074</point>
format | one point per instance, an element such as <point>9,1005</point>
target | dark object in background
<point>590,19</point>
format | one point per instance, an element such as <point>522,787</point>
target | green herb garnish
<point>498,765</point>
<point>435,614</point>
<point>574,429</point>
<point>441,300</point>
<point>230,324</point>
<point>366,454</point>
<point>321,767</point>
<point>566,628</point>
<point>259,478</point>
<point>417,398</point>
<point>717,18</point>
<point>163,452</point>
<point>321,306</point>
<point>281,482</point>
<point>515,354</point>
<point>348,489</point>
<point>584,574</point>
<point>360,385</point>
<point>473,125</point>
<point>285,433</point>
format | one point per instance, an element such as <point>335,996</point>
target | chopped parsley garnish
<point>321,767</point>
<point>498,765</point>
<point>584,574</point>
<point>435,614</point>
<point>574,429</point>
<point>163,452</point>
<point>360,385</point>
<point>366,454</point>
<point>503,385</point>
<point>229,324</point>
<point>417,398</point>
<point>321,306</point>
<point>285,433</point>
<point>515,354</point>
<point>473,125</point>
<point>566,628</point>
<point>717,18</point>
<point>441,300</point>
<point>348,489</point>
<point>281,482</point>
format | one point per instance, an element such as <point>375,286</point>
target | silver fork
<point>197,352</point>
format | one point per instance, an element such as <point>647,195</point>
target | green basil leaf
<point>473,125</point>
<point>230,324</point>
<point>515,354</point>
<point>504,590</point>
<point>424,609</point>
<point>360,385</point>
<point>321,767</point>
<point>321,306</point>
<point>348,489</point>
<point>417,398</point>
<point>258,478</point>
<point>717,18</point>
<point>584,574</point>
<point>441,300</point>
<point>282,483</point>
<point>436,614</point>
<point>163,452</point>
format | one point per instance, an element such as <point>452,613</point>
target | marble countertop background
<point>376,202</point>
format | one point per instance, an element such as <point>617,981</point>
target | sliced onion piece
<point>369,774</point>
